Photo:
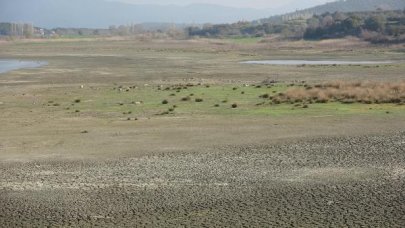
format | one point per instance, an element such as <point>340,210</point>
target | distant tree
<point>352,25</point>
<point>338,16</point>
<point>314,33</point>
<point>28,30</point>
<point>123,30</point>
<point>327,21</point>
<point>112,29</point>
<point>5,29</point>
<point>174,32</point>
<point>313,22</point>
<point>375,23</point>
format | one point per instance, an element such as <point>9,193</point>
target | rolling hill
<point>358,5</point>
<point>102,13</point>
<point>341,6</point>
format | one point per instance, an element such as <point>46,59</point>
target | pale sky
<point>264,4</point>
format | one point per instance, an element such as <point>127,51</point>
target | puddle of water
<point>10,65</point>
<point>315,62</point>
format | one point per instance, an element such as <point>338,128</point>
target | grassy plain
<point>123,123</point>
<point>126,80</point>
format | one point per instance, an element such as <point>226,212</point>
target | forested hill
<point>358,5</point>
<point>340,6</point>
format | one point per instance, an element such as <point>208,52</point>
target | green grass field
<point>122,102</point>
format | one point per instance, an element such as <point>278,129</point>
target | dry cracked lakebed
<point>333,182</point>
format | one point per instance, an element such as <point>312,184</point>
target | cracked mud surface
<point>335,181</point>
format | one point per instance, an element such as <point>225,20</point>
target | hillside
<point>340,6</point>
<point>358,5</point>
<point>102,13</point>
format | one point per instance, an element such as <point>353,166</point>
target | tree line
<point>17,29</point>
<point>375,26</point>
<point>27,30</point>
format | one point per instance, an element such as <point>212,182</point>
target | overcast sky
<point>271,4</point>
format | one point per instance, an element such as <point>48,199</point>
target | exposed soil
<point>334,181</point>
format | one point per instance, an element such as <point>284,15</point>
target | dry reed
<point>346,92</point>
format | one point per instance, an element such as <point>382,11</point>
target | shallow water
<point>315,62</point>
<point>7,65</point>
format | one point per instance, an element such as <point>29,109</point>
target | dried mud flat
<point>335,182</point>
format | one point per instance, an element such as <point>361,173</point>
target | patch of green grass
<point>108,102</point>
